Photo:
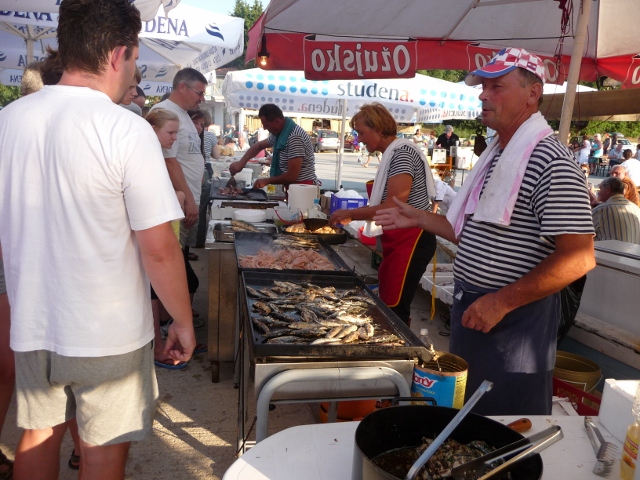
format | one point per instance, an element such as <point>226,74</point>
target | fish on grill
<point>285,312</point>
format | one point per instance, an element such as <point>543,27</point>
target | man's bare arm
<point>179,183</point>
<point>572,258</point>
<point>164,263</point>
<point>253,150</point>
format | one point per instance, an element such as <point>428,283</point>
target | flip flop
<point>171,365</point>
<point>74,460</point>
<point>198,323</point>
<point>200,348</point>
<point>192,256</point>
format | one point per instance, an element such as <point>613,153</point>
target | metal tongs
<point>606,452</point>
<point>444,434</point>
<point>519,450</point>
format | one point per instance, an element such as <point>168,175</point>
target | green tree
<point>454,76</point>
<point>250,13</point>
<point>8,95</point>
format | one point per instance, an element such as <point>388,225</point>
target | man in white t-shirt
<point>79,254</point>
<point>632,166</point>
<point>184,158</point>
<point>444,196</point>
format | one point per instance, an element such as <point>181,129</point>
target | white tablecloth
<point>325,452</point>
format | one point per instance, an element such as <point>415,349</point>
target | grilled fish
<point>240,226</point>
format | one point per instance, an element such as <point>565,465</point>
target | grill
<point>319,369</point>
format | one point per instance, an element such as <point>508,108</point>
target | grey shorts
<point>188,236</point>
<point>113,398</point>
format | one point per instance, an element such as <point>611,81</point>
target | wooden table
<point>223,305</point>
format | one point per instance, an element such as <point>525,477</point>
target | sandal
<point>4,461</point>
<point>74,460</point>
<point>169,365</point>
<point>200,348</point>
<point>192,256</point>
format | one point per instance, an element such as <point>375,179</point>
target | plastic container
<point>314,210</point>
<point>284,216</point>
<point>577,370</point>
<point>245,175</point>
<point>338,203</point>
<point>250,215</point>
<point>631,441</point>
<point>366,239</point>
<point>444,379</point>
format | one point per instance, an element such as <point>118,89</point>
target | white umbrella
<point>589,38</point>
<point>148,8</point>
<point>420,99</point>
<point>408,100</point>
<point>189,37</point>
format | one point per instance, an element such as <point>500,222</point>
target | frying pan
<point>405,426</point>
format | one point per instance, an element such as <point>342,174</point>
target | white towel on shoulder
<point>501,192</point>
<point>380,182</point>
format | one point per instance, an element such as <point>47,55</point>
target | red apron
<point>397,249</point>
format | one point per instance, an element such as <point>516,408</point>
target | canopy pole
<point>342,132</point>
<point>574,71</point>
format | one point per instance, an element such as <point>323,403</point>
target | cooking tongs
<point>519,450</point>
<point>606,452</point>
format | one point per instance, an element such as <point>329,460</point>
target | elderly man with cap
<point>523,226</point>
<point>448,138</point>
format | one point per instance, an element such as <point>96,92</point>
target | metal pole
<point>342,132</point>
<point>574,71</point>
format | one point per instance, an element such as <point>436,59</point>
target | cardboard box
<point>615,410</point>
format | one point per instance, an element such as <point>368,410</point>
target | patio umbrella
<point>148,8</point>
<point>462,34</point>
<point>420,99</point>
<point>189,37</point>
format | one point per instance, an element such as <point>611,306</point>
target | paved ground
<point>195,425</point>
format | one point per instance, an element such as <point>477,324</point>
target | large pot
<point>405,426</point>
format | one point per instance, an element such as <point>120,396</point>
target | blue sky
<point>218,6</point>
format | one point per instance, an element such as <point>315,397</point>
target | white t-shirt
<point>78,175</point>
<point>186,149</point>
<point>444,194</point>
<point>633,169</point>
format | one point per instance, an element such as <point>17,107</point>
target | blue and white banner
<point>419,99</point>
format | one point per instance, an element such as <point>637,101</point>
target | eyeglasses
<point>200,94</point>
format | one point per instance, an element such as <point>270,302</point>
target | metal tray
<point>329,238</point>
<point>249,243</point>
<point>383,318</point>
<point>223,231</point>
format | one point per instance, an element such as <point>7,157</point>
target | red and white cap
<point>505,61</point>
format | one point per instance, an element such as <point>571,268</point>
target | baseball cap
<point>505,61</point>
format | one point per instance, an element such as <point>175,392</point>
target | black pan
<point>405,426</point>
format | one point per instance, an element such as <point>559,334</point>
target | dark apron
<point>406,253</point>
<point>517,355</point>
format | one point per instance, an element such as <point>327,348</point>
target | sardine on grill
<point>262,308</point>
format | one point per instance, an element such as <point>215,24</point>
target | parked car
<point>325,140</point>
<point>626,144</point>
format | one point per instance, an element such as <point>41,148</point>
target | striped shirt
<point>210,141</point>
<point>617,219</point>
<point>553,200</point>
<point>407,160</point>
<point>298,145</point>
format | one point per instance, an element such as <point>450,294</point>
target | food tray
<point>329,238</point>
<point>223,231</point>
<point>249,243</point>
<point>383,318</point>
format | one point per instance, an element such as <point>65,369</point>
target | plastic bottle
<point>424,338</point>
<point>314,210</point>
<point>631,441</point>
